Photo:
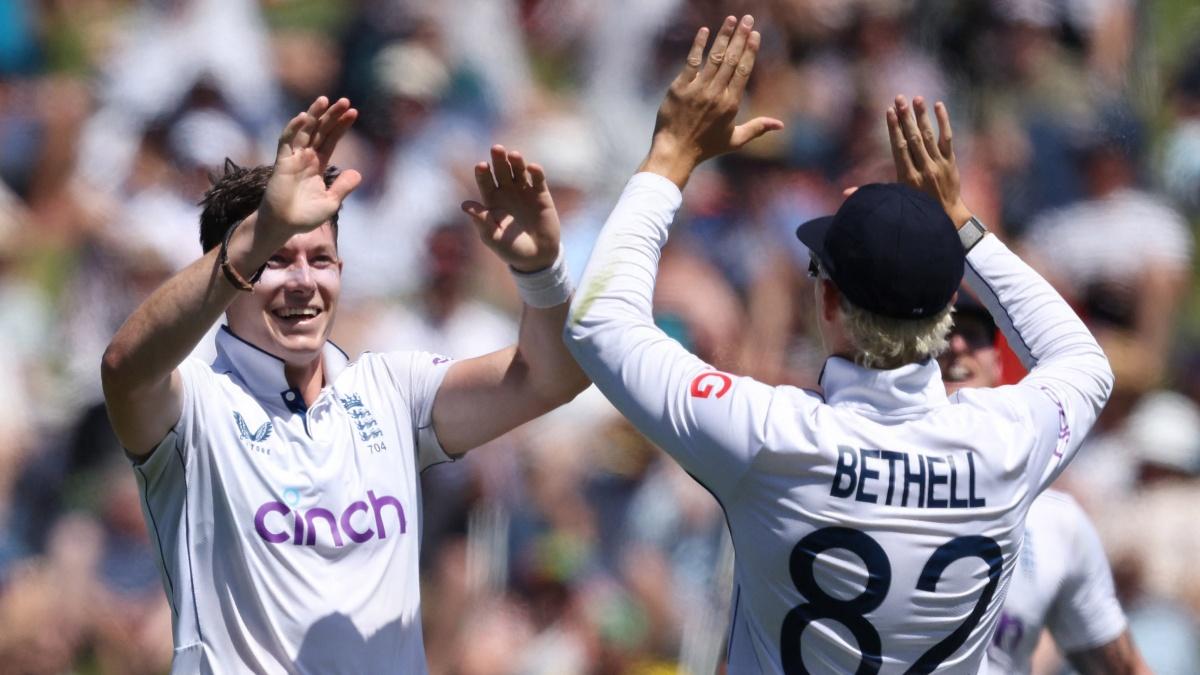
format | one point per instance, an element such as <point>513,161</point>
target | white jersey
<point>875,528</point>
<point>1062,582</point>
<point>288,536</point>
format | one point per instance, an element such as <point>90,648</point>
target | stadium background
<point>572,546</point>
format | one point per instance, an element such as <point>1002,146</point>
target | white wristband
<point>545,288</point>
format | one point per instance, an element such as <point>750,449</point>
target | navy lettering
<point>891,456</point>
<point>917,479</point>
<point>934,481</point>
<point>955,502</point>
<point>972,501</point>
<point>865,474</point>
<point>847,463</point>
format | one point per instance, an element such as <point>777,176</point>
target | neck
<point>309,378</point>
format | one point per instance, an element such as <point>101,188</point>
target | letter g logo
<point>707,384</point>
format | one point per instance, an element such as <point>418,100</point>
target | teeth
<point>289,312</point>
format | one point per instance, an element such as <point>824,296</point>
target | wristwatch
<point>971,233</point>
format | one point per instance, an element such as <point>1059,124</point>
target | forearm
<point>1041,327</point>
<point>552,376</point>
<point>165,328</point>
<point>1119,657</point>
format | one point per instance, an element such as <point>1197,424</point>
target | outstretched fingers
<point>485,182</point>
<point>905,171</point>
<point>695,57</point>
<point>331,126</point>
<point>716,53</point>
<point>928,138</point>
<point>312,118</point>
<point>912,134</point>
<point>288,138</point>
<point>745,66</point>
<point>733,54</point>
<point>519,174</point>
<point>538,174</point>
<point>501,167</point>
<point>945,140</point>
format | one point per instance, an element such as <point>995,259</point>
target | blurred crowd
<point>573,545</point>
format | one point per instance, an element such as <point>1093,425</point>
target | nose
<point>299,277</point>
<point>958,345</point>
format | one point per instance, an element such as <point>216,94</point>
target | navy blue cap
<point>891,250</point>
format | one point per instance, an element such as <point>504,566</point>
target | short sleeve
<point>1085,613</point>
<point>418,376</point>
<point>173,449</point>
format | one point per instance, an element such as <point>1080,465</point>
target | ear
<point>831,300</point>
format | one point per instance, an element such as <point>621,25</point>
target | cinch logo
<point>706,384</point>
<point>301,526</point>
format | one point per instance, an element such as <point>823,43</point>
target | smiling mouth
<point>957,372</point>
<point>296,315</point>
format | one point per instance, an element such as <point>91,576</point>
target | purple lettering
<point>377,505</point>
<point>355,536</point>
<point>304,523</point>
<point>327,515</point>
<point>260,522</point>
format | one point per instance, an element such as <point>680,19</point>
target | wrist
<point>668,160</point>
<point>548,287</point>
<point>959,214</point>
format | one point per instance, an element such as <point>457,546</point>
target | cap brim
<point>812,234</point>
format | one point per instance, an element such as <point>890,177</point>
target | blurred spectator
<point>1123,256</point>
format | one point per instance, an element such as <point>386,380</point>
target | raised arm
<point>139,371</point>
<point>1069,378</point>
<point>711,422</point>
<point>482,398</point>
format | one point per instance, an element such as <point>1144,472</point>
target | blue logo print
<point>364,421</point>
<point>264,432</point>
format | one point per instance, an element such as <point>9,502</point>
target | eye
<point>276,262</point>
<point>323,260</point>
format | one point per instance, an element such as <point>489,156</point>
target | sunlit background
<point>573,545</point>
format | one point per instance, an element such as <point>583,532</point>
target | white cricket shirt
<point>288,536</point>
<point>1062,582</point>
<point>875,528</point>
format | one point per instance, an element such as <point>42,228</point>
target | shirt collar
<point>263,372</point>
<point>916,385</point>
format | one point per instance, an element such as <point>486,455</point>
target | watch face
<point>971,232</point>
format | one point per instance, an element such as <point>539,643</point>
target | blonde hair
<point>885,343</point>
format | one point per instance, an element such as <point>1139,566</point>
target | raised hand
<point>925,161</point>
<point>696,119</point>
<point>296,199</point>
<point>516,218</point>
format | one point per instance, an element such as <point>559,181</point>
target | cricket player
<point>1062,582</point>
<point>280,482</point>
<point>876,524</point>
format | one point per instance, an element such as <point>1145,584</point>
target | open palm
<point>297,198</point>
<point>516,218</point>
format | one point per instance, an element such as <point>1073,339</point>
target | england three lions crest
<point>364,422</point>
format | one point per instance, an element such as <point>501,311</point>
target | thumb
<point>479,216</point>
<point>744,133</point>
<point>345,183</point>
